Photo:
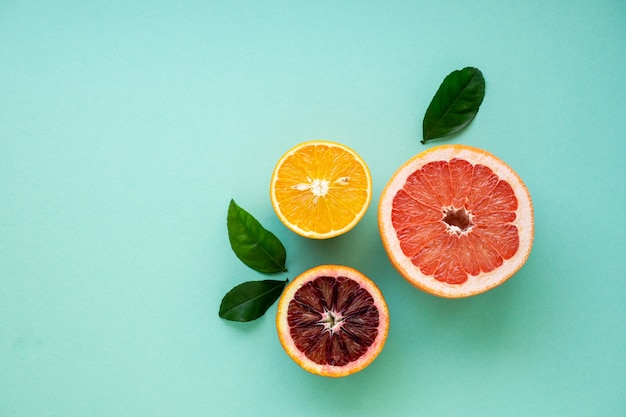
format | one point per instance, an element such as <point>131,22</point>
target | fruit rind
<point>284,330</point>
<point>483,281</point>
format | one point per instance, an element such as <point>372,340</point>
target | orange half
<point>320,189</point>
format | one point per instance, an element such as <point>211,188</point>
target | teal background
<point>127,127</point>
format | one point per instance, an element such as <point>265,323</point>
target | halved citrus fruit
<point>332,320</point>
<point>320,189</point>
<point>456,221</point>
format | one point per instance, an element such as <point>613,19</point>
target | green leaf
<point>455,104</point>
<point>250,300</point>
<point>257,247</point>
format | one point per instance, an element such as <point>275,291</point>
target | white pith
<point>453,229</point>
<point>332,321</point>
<point>317,187</point>
<point>285,335</point>
<point>483,281</point>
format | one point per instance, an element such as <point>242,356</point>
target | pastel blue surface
<point>127,127</point>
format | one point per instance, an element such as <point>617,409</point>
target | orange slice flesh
<point>456,221</point>
<point>320,189</point>
<point>332,320</point>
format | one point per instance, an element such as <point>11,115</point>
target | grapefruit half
<point>456,221</point>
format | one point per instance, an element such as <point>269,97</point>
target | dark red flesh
<point>333,342</point>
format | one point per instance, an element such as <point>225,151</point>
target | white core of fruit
<point>318,187</point>
<point>331,320</point>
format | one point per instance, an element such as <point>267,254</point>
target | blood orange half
<point>332,320</point>
<point>456,221</point>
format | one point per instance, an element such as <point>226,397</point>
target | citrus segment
<point>456,221</point>
<point>332,320</point>
<point>320,189</point>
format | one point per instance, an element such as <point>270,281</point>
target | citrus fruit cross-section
<point>332,320</point>
<point>456,221</point>
<point>320,189</point>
